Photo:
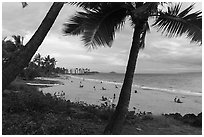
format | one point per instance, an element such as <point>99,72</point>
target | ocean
<point>187,83</point>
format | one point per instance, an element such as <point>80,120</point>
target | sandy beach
<point>154,101</point>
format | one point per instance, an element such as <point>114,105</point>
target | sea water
<point>186,83</point>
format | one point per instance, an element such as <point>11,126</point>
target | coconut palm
<point>11,49</point>
<point>38,59</point>
<point>49,64</point>
<point>18,40</point>
<point>9,72</point>
<point>98,22</point>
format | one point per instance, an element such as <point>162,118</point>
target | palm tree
<point>49,64</point>
<point>77,70</point>
<point>38,60</point>
<point>11,49</point>
<point>18,40</point>
<point>99,21</point>
<point>18,63</point>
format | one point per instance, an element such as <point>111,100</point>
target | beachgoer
<point>178,101</point>
<point>114,96</point>
<point>175,99</point>
<point>81,86</point>
<point>135,91</point>
<point>116,86</point>
<point>103,88</point>
<point>94,87</point>
<point>62,93</point>
<point>103,98</point>
<point>110,100</point>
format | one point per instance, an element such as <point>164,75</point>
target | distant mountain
<point>113,72</point>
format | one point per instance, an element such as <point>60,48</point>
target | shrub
<point>30,100</point>
<point>29,73</point>
<point>190,119</point>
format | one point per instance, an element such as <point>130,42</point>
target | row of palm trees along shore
<point>78,71</point>
<point>97,23</point>
<point>50,64</point>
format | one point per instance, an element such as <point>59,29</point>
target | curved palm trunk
<point>10,72</point>
<point>116,122</point>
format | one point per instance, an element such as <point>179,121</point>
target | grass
<point>30,112</point>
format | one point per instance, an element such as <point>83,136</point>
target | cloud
<point>143,56</point>
<point>177,51</point>
<point>160,53</point>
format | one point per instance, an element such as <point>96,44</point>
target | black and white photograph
<point>101,68</point>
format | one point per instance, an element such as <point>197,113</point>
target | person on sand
<point>175,99</point>
<point>110,101</point>
<point>116,86</point>
<point>104,98</point>
<point>94,87</point>
<point>114,96</point>
<point>179,101</point>
<point>81,86</point>
<point>103,88</point>
<point>135,91</point>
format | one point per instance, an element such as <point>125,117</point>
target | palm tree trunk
<point>115,124</point>
<point>10,72</point>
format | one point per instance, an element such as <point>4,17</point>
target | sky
<point>160,55</point>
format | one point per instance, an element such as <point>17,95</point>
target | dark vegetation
<point>26,110</point>
<point>190,119</point>
<point>39,66</point>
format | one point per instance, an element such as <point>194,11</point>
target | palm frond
<point>17,39</point>
<point>175,23</point>
<point>75,25</point>
<point>24,4</point>
<point>87,5</point>
<point>97,26</point>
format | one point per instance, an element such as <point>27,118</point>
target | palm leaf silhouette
<point>97,26</point>
<point>175,23</point>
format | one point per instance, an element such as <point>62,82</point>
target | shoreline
<point>157,102</point>
<point>173,91</point>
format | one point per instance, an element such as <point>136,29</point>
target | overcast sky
<point>161,54</point>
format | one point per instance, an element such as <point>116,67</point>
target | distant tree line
<point>39,66</point>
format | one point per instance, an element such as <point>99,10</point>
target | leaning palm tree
<point>98,22</point>
<point>17,64</point>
